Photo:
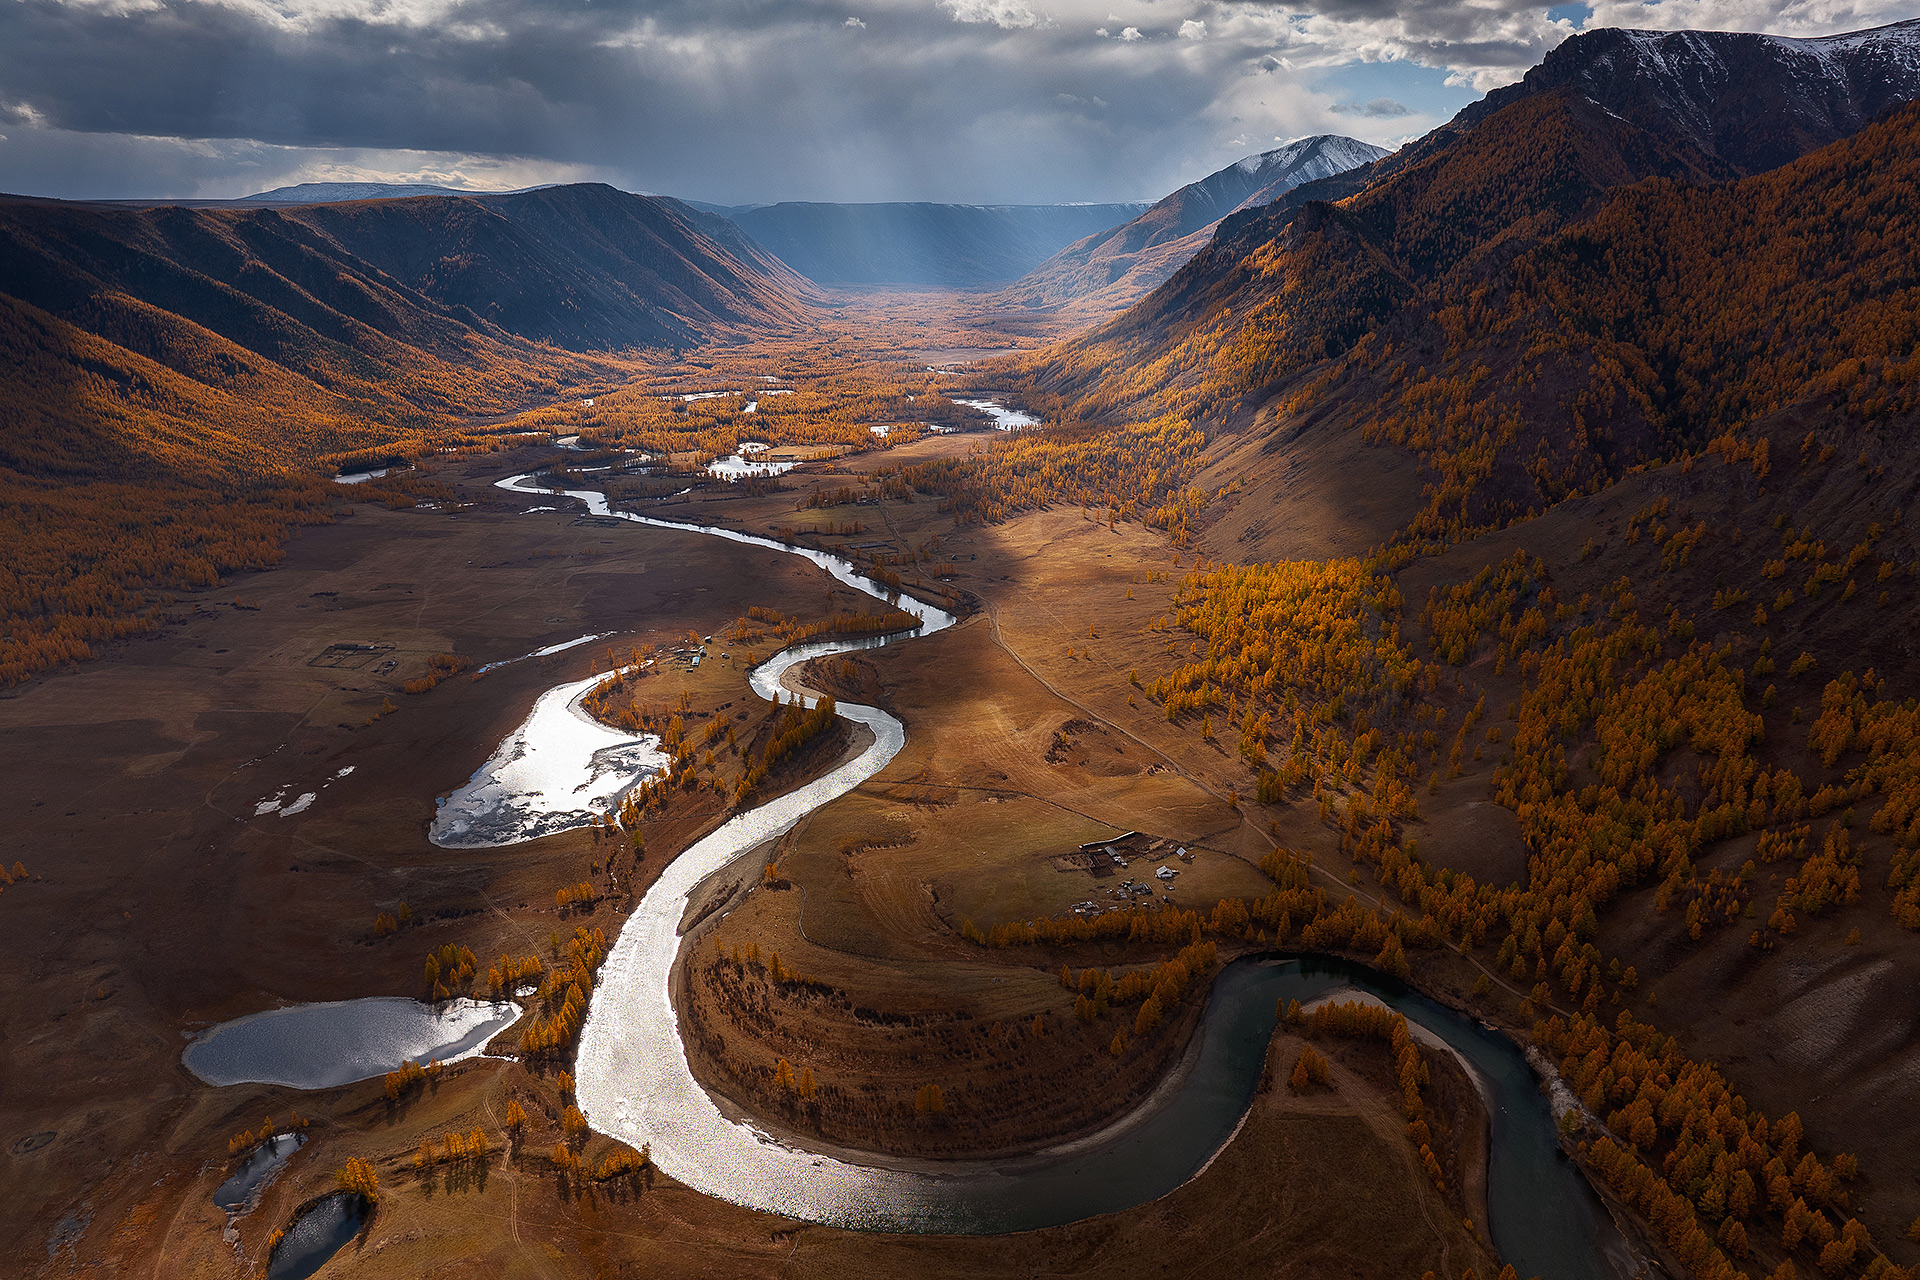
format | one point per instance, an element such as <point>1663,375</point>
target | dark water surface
<point>237,1193</point>
<point>1546,1220</point>
<point>317,1235</point>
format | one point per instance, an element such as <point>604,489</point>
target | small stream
<point>633,1080</point>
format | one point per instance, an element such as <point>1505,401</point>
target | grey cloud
<point>732,100</point>
<point>1001,13</point>
<point>1378,109</point>
<point>722,101</point>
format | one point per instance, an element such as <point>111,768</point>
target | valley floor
<point>159,898</point>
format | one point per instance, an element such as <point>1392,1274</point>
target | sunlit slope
<point>1675,318</point>
<point>1281,288</point>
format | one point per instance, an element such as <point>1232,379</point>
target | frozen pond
<point>361,477</point>
<point>320,1046</point>
<point>262,1165</point>
<point>748,463</point>
<point>321,1232</point>
<point>559,770</point>
<point>1003,418</point>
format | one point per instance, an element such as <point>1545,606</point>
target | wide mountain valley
<point>1359,719</point>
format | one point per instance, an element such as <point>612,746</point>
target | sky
<point>753,101</point>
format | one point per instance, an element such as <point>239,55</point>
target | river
<point>633,1080</point>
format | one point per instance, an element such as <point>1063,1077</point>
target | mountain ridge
<point>1749,100</point>
<point>1446,213</point>
<point>1112,269</point>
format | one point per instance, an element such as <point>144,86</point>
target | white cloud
<point>22,113</point>
<point>1005,14</point>
<point>1791,18</point>
<point>1131,34</point>
<point>1193,29</point>
<point>855,23</point>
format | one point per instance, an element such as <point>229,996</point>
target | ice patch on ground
<point>559,770</point>
<point>1003,418</point>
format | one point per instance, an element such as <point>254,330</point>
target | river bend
<point>633,1080</point>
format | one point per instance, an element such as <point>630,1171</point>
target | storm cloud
<point>753,100</point>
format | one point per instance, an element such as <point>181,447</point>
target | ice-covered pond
<point>748,462</point>
<point>1003,418</point>
<point>559,770</point>
<point>320,1046</point>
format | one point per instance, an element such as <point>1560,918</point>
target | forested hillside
<point>1290,285</point>
<point>1647,591</point>
<point>1281,289</point>
<point>1675,317</point>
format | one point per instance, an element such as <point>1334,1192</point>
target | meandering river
<point>633,1080</point>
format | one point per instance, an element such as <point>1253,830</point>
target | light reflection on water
<point>559,770</point>
<point>318,1046</point>
<point>262,1165</point>
<point>1004,419</point>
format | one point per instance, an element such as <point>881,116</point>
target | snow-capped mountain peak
<point>1750,101</point>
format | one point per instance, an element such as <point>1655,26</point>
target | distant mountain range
<point>335,192</point>
<point>955,245</point>
<point>1114,268</point>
